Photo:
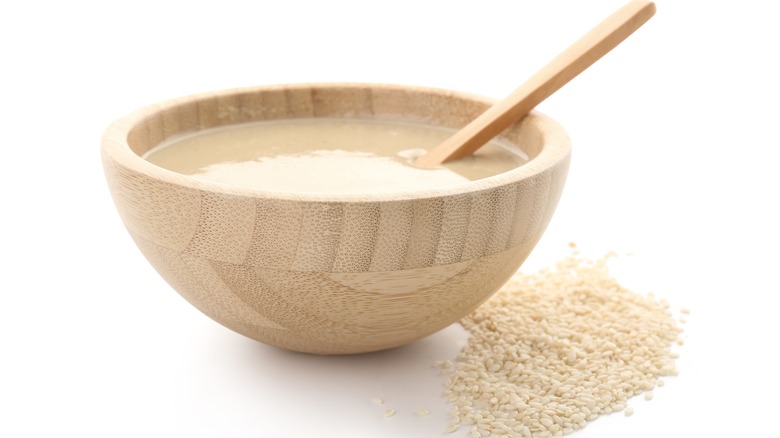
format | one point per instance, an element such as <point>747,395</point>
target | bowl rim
<point>115,145</point>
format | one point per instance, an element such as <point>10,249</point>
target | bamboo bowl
<point>332,274</point>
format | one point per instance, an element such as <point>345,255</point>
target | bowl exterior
<point>334,276</point>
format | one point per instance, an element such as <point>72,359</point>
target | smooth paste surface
<point>319,155</point>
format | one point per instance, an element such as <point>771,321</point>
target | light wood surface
<point>571,62</point>
<point>331,274</point>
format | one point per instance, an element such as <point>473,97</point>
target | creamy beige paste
<point>323,155</point>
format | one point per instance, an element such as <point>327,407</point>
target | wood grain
<point>332,274</point>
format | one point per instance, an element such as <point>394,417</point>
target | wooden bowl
<point>332,274</point>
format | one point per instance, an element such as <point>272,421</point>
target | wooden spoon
<point>571,62</point>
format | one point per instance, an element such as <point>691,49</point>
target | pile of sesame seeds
<point>556,349</point>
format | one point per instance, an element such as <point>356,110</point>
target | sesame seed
<point>422,412</point>
<point>555,349</point>
<point>389,413</point>
<point>629,411</point>
<point>649,395</point>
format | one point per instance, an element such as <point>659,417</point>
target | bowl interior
<point>537,137</point>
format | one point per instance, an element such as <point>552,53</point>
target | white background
<point>675,161</point>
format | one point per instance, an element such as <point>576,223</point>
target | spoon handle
<point>571,62</point>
